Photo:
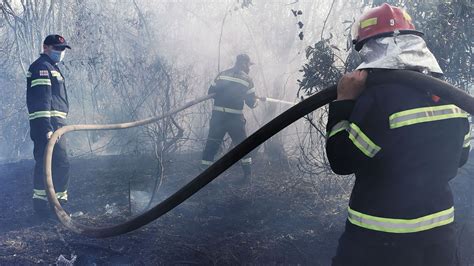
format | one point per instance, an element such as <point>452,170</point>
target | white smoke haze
<point>119,47</point>
<point>134,59</point>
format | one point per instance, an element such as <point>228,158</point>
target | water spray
<point>273,100</point>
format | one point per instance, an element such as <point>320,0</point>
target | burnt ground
<point>278,219</point>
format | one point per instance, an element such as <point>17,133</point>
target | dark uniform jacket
<point>46,97</point>
<point>232,88</point>
<point>403,146</point>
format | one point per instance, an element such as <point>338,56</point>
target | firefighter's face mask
<point>57,55</point>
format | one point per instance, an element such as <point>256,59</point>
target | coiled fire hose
<point>410,78</point>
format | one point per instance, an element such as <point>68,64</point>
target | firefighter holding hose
<point>48,107</point>
<point>402,144</point>
<point>232,88</point>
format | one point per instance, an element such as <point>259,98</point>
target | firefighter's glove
<point>262,99</point>
<point>351,85</point>
<point>49,134</point>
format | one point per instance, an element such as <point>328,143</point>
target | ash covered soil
<point>279,218</point>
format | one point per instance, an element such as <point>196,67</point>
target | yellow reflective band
<point>39,194</point>
<point>425,114</point>
<point>361,141</point>
<point>53,113</point>
<point>368,22</point>
<point>390,225</point>
<point>39,114</point>
<point>467,140</point>
<point>204,162</point>
<point>61,195</point>
<point>241,81</point>
<point>56,74</point>
<point>38,82</point>
<point>339,127</point>
<point>59,114</point>
<point>40,197</point>
<point>227,110</point>
<point>246,161</point>
<point>406,15</point>
<point>251,91</point>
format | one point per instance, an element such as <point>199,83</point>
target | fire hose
<point>409,78</point>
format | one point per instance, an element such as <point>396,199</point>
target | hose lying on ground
<point>310,104</point>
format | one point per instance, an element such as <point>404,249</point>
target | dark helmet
<point>243,59</point>
<point>57,41</point>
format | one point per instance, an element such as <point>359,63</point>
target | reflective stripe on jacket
<point>403,148</point>
<point>233,88</point>
<point>46,97</point>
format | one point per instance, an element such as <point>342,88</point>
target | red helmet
<point>383,21</point>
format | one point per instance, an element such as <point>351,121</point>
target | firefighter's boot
<point>41,208</point>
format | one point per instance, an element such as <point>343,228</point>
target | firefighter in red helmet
<point>403,146</point>
<point>382,21</point>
